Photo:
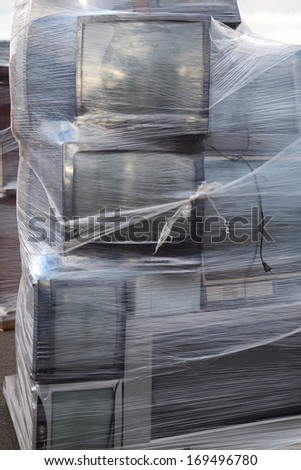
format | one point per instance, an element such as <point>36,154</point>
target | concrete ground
<point>8,439</point>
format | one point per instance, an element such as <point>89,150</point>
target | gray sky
<point>275,19</point>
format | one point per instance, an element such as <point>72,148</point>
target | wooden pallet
<point>7,321</point>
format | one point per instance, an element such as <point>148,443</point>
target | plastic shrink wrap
<point>9,153</point>
<point>159,223</point>
<point>10,264</point>
<point>223,10</point>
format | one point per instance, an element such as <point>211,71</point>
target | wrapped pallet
<point>158,215</point>
<point>10,264</point>
<point>9,152</point>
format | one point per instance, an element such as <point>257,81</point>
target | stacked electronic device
<point>9,156</point>
<point>136,328</point>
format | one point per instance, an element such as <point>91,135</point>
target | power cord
<point>267,268</point>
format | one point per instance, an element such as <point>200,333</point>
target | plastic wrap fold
<point>159,219</point>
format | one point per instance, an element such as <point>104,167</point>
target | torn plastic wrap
<point>159,304</point>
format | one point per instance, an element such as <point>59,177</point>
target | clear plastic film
<point>9,153</point>
<point>10,264</point>
<point>159,223</point>
<point>223,10</point>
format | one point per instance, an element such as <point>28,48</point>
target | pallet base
<point>7,321</point>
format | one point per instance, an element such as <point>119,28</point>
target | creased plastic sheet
<point>159,222</point>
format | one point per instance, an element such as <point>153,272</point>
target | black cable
<point>261,225</point>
